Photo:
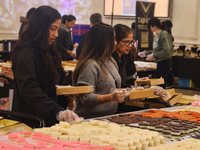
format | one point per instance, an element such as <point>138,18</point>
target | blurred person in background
<point>162,49</point>
<point>64,40</point>
<point>94,18</point>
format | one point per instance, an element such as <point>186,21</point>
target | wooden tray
<point>151,82</point>
<point>64,90</point>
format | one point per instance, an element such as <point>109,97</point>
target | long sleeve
<point>89,77</point>
<point>60,41</point>
<point>166,48</point>
<point>86,104</point>
<point>25,68</point>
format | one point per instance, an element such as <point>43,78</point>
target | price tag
<point>1,84</point>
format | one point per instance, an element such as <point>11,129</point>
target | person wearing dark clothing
<point>80,46</point>
<point>94,18</point>
<point>25,20</point>
<point>121,63</point>
<point>64,40</point>
<point>37,68</point>
<point>130,66</point>
<point>124,39</point>
<point>168,26</point>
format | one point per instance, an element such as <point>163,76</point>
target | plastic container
<point>184,82</point>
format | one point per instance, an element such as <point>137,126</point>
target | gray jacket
<point>86,104</point>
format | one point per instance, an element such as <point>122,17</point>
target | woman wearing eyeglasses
<point>127,70</point>
<point>124,39</point>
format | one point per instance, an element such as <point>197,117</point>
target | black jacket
<point>64,43</point>
<point>121,63</point>
<point>126,68</point>
<point>80,46</point>
<point>34,93</point>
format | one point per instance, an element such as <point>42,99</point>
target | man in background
<point>94,19</point>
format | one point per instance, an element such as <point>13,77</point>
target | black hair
<point>168,23</point>
<point>95,18</point>
<point>30,11</point>
<point>69,18</point>
<point>122,31</point>
<point>155,22</point>
<point>133,25</point>
<point>38,35</point>
<point>167,26</point>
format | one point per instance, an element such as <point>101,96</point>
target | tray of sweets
<point>169,124</point>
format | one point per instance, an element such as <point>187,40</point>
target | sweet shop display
<point>191,108</point>
<point>6,69</point>
<point>26,140</point>
<point>189,144</point>
<point>103,133</point>
<point>145,66</point>
<point>140,65</point>
<point>69,65</point>
<point>167,126</point>
<point>185,115</point>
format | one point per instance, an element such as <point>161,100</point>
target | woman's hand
<point>141,54</point>
<point>73,54</point>
<point>71,97</point>
<point>150,57</point>
<point>75,45</point>
<point>68,116</point>
<point>118,95</point>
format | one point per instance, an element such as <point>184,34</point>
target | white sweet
<point>103,124</point>
<point>73,138</point>
<point>64,137</point>
<point>55,129</point>
<point>55,135</point>
<point>94,122</point>
<point>64,124</point>
<point>123,145</point>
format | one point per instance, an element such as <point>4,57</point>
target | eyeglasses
<point>127,42</point>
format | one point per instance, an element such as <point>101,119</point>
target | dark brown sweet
<point>166,128</point>
<point>177,121</point>
<point>178,125</point>
<point>165,117</point>
<point>173,118</point>
<point>174,130</point>
<point>166,132</point>
<point>196,136</point>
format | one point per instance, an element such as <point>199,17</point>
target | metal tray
<point>170,109</point>
<point>105,117</point>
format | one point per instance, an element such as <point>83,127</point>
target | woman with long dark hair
<point>96,67</point>
<point>162,48</point>
<point>37,69</point>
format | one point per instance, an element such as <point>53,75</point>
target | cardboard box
<point>174,99</point>
<point>171,92</point>
<point>152,104</point>
<point>62,90</point>
<point>151,82</point>
<point>141,94</point>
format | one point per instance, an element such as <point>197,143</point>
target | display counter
<point>186,68</point>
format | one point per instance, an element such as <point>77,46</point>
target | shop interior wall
<point>183,13</point>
